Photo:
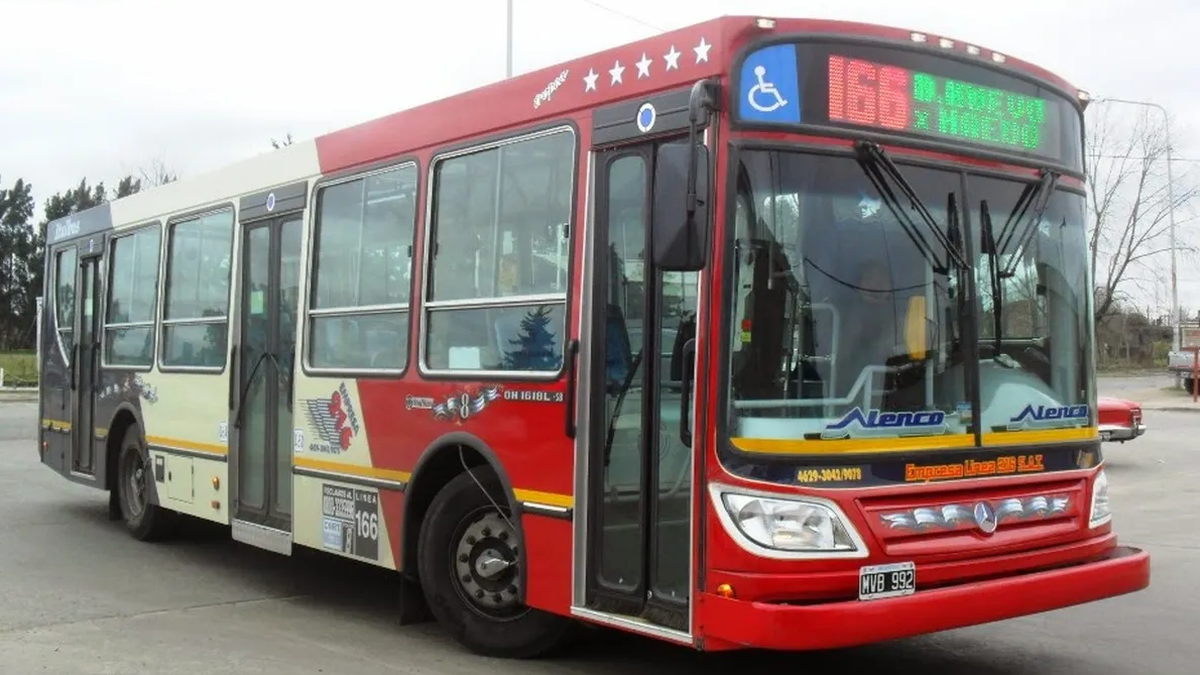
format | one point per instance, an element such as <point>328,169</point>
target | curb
<point>1173,408</point>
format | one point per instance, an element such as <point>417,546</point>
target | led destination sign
<point>889,97</point>
<point>906,92</point>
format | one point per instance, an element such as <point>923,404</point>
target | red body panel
<point>734,623</point>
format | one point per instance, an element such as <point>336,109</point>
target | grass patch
<point>20,368</point>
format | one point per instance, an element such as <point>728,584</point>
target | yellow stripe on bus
<point>547,498</point>
<point>794,446</point>
<point>887,445</point>
<point>1041,436</point>
<point>181,444</point>
<point>62,425</point>
<point>351,469</point>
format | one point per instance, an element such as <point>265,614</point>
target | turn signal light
<point>725,591</point>
<point>216,481</point>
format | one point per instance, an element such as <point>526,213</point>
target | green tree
<point>18,242</point>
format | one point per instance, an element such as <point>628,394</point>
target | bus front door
<point>640,471</point>
<point>261,461</point>
<point>86,361</point>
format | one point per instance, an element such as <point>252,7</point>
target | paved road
<point>1114,385</point>
<point>80,597</point>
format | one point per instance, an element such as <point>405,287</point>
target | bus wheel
<point>470,569</point>
<point>145,521</point>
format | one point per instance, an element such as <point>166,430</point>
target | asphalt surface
<point>79,596</point>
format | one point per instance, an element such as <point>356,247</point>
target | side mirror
<point>680,240</point>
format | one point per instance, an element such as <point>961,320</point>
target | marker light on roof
<point>973,50</point>
<point>918,37</point>
<point>946,43</point>
<point>1084,96</point>
<point>766,24</point>
<point>998,57</point>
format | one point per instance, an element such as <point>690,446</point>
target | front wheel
<point>470,568</point>
<point>144,520</point>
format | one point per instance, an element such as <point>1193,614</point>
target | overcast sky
<point>96,88</point>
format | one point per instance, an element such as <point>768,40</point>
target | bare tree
<point>287,140</point>
<point>155,173</point>
<point>1127,188</point>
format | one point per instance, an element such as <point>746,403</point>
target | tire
<point>507,628</point>
<point>143,520</point>
<point>1187,384</point>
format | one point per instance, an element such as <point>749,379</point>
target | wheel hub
<point>137,487</point>
<point>487,564</point>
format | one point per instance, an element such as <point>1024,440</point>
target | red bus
<point>769,333</point>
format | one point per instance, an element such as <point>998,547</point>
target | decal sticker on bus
<point>463,406</point>
<point>334,420</point>
<point>1049,417</point>
<point>350,521</point>
<point>876,423</point>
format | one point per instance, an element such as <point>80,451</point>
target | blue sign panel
<point>770,89</point>
<point>96,219</point>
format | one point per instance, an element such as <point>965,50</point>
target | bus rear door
<point>272,231</point>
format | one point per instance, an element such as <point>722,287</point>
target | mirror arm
<point>702,99</point>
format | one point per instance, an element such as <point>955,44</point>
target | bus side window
<point>499,245</point>
<point>362,263</point>
<point>196,292</point>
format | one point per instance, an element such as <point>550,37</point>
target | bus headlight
<point>784,527</point>
<point>1101,513</point>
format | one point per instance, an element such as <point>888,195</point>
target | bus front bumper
<point>764,625</point>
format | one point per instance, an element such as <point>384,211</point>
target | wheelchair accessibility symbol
<point>764,97</point>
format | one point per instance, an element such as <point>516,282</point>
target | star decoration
<point>670,62</point>
<point>672,59</point>
<point>643,66</point>
<point>615,72</point>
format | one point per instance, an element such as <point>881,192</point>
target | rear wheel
<point>144,520</point>
<point>471,570</point>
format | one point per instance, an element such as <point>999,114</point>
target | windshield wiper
<point>1039,193</point>
<point>994,273</point>
<point>872,158</point>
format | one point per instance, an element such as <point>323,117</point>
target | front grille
<point>968,522</point>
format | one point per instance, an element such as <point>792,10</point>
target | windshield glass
<point>850,319</point>
<point>1034,377</point>
<point>845,333</point>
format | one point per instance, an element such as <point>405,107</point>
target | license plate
<point>887,581</point>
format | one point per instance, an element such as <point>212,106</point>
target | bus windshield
<point>852,315</point>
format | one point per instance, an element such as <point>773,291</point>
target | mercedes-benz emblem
<point>985,517</point>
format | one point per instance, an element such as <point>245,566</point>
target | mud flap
<point>114,505</point>
<point>413,608</point>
